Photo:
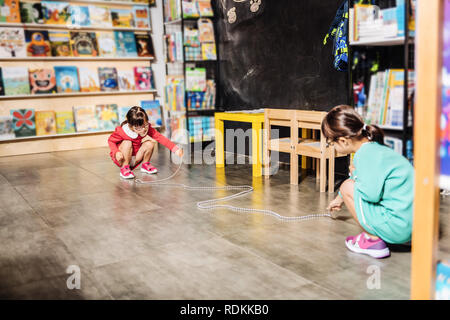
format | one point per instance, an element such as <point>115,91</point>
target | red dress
<point>120,135</point>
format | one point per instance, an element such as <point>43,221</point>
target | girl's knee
<point>126,144</point>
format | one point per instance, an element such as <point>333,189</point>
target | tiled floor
<point>140,242</point>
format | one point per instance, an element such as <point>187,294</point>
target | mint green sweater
<point>384,192</point>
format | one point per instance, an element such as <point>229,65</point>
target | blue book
<point>67,79</point>
<point>153,110</point>
<point>400,12</point>
<point>443,281</point>
<point>125,44</point>
<point>80,15</point>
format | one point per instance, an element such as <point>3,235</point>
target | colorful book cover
<point>125,44</point>
<point>79,15</point>
<point>442,287</point>
<point>126,80</point>
<point>143,78</point>
<point>45,123</point>
<point>15,81</point>
<point>12,43</point>
<point>31,12</point>
<point>24,124</point>
<point>108,79</point>
<point>195,79</point>
<point>67,79</point>
<point>84,44</point>
<point>107,116</point>
<point>190,10</point>
<point>88,80</point>
<point>204,8</point>
<point>209,51</point>
<point>123,113</point>
<point>6,128</point>
<point>153,110</point>
<point>122,18</point>
<point>64,122</point>
<point>106,43</point>
<point>144,45</point>
<point>206,29</point>
<point>100,16</point>
<point>42,81</point>
<point>9,11</point>
<point>60,43</point>
<point>141,17</point>
<point>84,117</point>
<point>56,12</point>
<point>38,44</point>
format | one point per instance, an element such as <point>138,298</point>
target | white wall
<point>158,66</point>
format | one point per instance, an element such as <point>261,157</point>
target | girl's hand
<point>336,204</point>
<point>179,152</point>
<point>119,156</point>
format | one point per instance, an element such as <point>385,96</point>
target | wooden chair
<point>314,147</point>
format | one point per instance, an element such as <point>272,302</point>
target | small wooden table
<point>257,121</point>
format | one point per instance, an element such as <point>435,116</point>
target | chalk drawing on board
<point>254,5</point>
<point>232,15</point>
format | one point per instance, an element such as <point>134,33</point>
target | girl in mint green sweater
<point>380,191</point>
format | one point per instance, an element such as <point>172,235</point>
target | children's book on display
<point>42,81</point>
<point>79,15</point>
<point>9,11</point>
<point>123,113</point>
<point>15,81</point>
<point>141,17</point>
<point>56,12</point>
<point>12,43</point>
<point>38,43</point>
<point>6,128</point>
<point>106,43</point>
<point>45,123</point>
<point>24,122</point>
<point>108,79</point>
<point>84,44</point>
<point>60,43</point>
<point>144,45</point>
<point>67,79</point>
<point>143,78</point>
<point>64,122</point>
<point>125,44</point>
<point>153,110</point>
<point>100,16</point>
<point>85,118</point>
<point>107,116</point>
<point>126,80</point>
<point>89,81</point>
<point>31,12</point>
<point>122,18</point>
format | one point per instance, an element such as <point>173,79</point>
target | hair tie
<point>365,127</point>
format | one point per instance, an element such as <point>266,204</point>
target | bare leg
<point>347,189</point>
<point>126,148</point>
<point>145,152</point>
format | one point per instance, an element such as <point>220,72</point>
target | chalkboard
<point>272,55</point>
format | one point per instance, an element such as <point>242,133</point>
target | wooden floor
<point>139,242</point>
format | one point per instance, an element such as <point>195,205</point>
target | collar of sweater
<point>126,128</point>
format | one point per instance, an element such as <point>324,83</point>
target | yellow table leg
<point>220,152</point>
<point>257,148</point>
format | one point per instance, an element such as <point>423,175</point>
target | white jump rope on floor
<point>213,203</point>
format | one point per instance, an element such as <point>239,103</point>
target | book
<point>141,17</point>
<point>143,78</point>
<point>172,10</point>
<point>190,10</point>
<point>2,88</point>
<point>174,93</point>
<point>45,123</point>
<point>31,12</point>
<point>206,29</point>
<point>6,128</point>
<point>108,79</point>
<point>79,15</point>
<point>144,45</point>
<point>100,16</point>
<point>107,116</point>
<point>106,44</point>
<point>9,11</point>
<point>153,110</point>
<point>125,44</point>
<point>191,37</point>
<point>442,287</point>
<point>84,44</point>
<point>84,117</point>
<point>64,122</point>
<point>56,12</point>
<point>174,46</point>
<point>204,8</point>
<point>126,80</point>
<point>209,51</point>
<point>24,122</point>
<point>123,113</point>
<point>67,79</point>
<point>394,143</point>
<point>122,18</point>
<point>38,44</point>
<point>15,81</point>
<point>60,43</point>
<point>195,79</point>
<point>42,81</point>
<point>89,81</point>
<point>12,43</point>
<point>178,128</point>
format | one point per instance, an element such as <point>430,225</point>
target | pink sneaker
<point>148,168</point>
<point>126,173</point>
<point>362,243</point>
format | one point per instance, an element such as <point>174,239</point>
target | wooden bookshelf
<point>66,101</point>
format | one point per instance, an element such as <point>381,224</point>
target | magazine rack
<point>65,101</point>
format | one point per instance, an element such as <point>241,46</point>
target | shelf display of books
<point>368,24</point>
<point>191,9</point>
<point>201,129</point>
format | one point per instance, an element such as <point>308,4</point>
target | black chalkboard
<point>274,56</point>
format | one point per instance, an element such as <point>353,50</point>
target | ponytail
<point>373,133</point>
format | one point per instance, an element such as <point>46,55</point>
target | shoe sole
<point>124,177</point>
<point>149,172</point>
<point>378,254</point>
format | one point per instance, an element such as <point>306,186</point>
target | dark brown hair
<point>344,122</point>
<point>136,117</point>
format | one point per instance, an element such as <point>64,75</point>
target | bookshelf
<point>395,45</point>
<point>177,69</point>
<point>65,101</point>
